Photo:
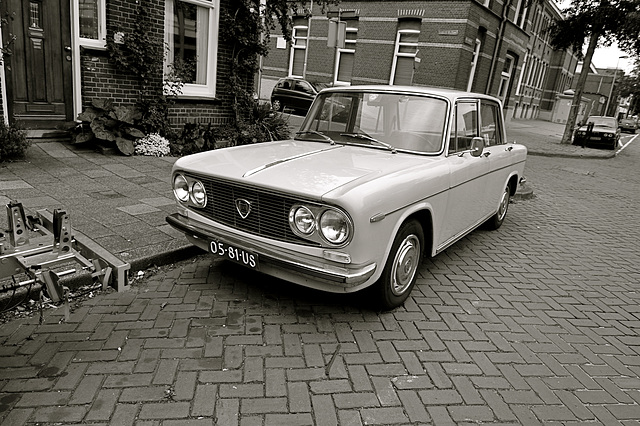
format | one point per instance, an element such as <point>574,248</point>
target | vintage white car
<point>377,177</point>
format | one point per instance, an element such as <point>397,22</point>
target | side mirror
<point>477,146</point>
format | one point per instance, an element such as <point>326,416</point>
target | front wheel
<point>401,270</point>
<point>276,105</point>
<point>496,220</point>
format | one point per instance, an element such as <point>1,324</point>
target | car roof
<point>451,94</point>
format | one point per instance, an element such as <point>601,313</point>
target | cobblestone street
<point>536,323</point>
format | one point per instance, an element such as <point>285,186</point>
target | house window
<point>505,77</point>
<point>521,13</point>
<point>406,51</point>
<point>191,37</point>
<point>474,64</point>
<point>525,65</point>
<point>92,23</point>
<point>299,40</point>
<point>345,58</point>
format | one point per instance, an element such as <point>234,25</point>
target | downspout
<point>306,50</point>
<point>498,46</point>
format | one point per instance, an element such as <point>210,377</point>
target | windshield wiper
<point>314,132</point>
<point>370,139</point>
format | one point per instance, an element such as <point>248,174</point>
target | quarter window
<point>191,28</point>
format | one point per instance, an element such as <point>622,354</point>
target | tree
<point>630,86</point>
<point>601,22</point>
<point>246,27</point>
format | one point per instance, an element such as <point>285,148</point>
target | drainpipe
<point>498,46</point>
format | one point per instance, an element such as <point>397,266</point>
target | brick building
<point>58,61</point>
<point>476,45</point>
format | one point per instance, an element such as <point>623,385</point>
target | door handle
<point>67,48</point>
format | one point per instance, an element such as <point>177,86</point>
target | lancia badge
<point>243,207</point>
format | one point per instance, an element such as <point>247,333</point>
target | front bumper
<point>280,262</point>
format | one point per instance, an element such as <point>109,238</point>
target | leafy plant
<point>106,123</point>
<point>195,137</point>
<point>266,126</point>
<point>13,142</point>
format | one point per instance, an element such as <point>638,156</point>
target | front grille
<point>269,215</point>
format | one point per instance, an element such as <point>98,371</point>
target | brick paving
<point>536,323</point>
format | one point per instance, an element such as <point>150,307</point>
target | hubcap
<point>504,204</point>
<point>405,264</point>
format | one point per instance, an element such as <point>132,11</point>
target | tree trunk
<point>577,97</point>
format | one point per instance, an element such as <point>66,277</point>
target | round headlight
<point>181,188</point>
<point>198,194</point>
<point>609,135</point>
<point>334,226</point>
<point>303,220</point>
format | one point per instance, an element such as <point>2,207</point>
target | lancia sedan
<point>376,178</point>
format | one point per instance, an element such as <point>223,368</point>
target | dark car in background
<point>598,132</point>
<point>293,93</point>
<point>629,125</point>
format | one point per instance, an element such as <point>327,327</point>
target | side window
<point>491,125</point>
<point>303,86</point>
<point>465,126</point>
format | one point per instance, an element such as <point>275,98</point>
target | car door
<point>466,203</point>
<point>304,94</point>
<point>497,150</point>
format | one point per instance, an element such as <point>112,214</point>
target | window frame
<point>101,41</point>
<point>348,50</point>
<point>208,89</point>
<point>474,63</point>
<point>295,46</point>
<point>505,78</point>
<point>397,54</point>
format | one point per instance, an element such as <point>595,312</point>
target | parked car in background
<point>293,93</point>
<point>629,124</point>
<point>377,177</point>
<point>598,132</point>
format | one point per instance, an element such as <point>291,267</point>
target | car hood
<point>307,168</point>
<point>600,129</point>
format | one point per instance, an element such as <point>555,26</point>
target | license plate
<point>235,254</point>
<point>595,138</point>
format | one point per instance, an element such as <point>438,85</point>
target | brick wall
<point>101,78</point>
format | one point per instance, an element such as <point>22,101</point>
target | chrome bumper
<point>346,280</point>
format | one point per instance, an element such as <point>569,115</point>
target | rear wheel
<point>276,105</point>
<point>401,270</point>
<point>496,220</point>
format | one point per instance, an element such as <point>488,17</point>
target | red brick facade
<point>448,30</point>
<point>101,78</point>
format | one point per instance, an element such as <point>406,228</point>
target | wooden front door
<point>38,64</point>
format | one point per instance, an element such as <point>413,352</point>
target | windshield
<point>602,121</point>
<point>380,120</point>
